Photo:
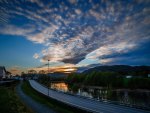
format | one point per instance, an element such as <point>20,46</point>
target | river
<point>137,98</point>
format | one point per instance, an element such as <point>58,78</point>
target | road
<point>83,103</point>
<point>32,104</point>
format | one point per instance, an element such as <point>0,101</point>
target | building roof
<point>2,68</point>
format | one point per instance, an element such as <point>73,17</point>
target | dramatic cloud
<point>73,31</point>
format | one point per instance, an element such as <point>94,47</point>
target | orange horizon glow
<point>69,68</point>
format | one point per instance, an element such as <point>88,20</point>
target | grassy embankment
<point>55,105</point>
<point>10,102</point>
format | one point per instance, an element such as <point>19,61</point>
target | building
<point>129,76</point>
<point>8,74</point>
<point>149,75</point>
<point>2,72</point>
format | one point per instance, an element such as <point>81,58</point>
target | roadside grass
<point>10,102</point>
<point>55,105</point>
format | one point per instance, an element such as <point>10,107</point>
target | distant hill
<point>82,69</point>
<point>123,69</point>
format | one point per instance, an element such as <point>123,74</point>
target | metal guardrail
<point>108,101</point>
<point>84,104</point>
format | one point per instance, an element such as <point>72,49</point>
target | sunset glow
<point>81,33</point>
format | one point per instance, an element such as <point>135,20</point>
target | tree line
<point>108,80</point>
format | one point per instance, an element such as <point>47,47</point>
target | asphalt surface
<point>83,103</point>
<point>32,104</point>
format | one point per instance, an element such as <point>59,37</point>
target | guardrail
<point>83,103</point>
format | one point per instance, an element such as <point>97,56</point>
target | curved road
<point>85,104</point>
<point>32,104</point>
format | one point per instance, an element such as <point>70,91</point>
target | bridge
<point>84,103</point>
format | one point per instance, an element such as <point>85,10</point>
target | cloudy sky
<point>74,32</point>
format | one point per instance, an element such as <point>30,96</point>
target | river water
<point>137,98</point>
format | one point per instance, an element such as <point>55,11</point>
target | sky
<point>73,33</point>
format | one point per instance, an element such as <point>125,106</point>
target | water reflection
<point>60,86</point>
<point>128,97</point>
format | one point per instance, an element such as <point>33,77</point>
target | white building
<point>2,72</point>
<point>149,75</point>
<point>128,76</point>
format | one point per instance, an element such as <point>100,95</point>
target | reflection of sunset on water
<point>60,86</point>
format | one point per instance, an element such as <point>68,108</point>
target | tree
<point>32,72</point>
<point>42,72</point>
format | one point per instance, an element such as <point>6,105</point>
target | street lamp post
<point>48,77</point>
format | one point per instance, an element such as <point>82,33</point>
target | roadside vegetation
<point>10,102</point>
<point>108,80</point>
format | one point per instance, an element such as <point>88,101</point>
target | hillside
<point>123,69</point>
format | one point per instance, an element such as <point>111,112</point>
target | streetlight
<point>48,77</point>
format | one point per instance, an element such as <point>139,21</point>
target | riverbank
<point>119,89</point>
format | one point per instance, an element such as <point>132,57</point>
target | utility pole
<point>48,77</point>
